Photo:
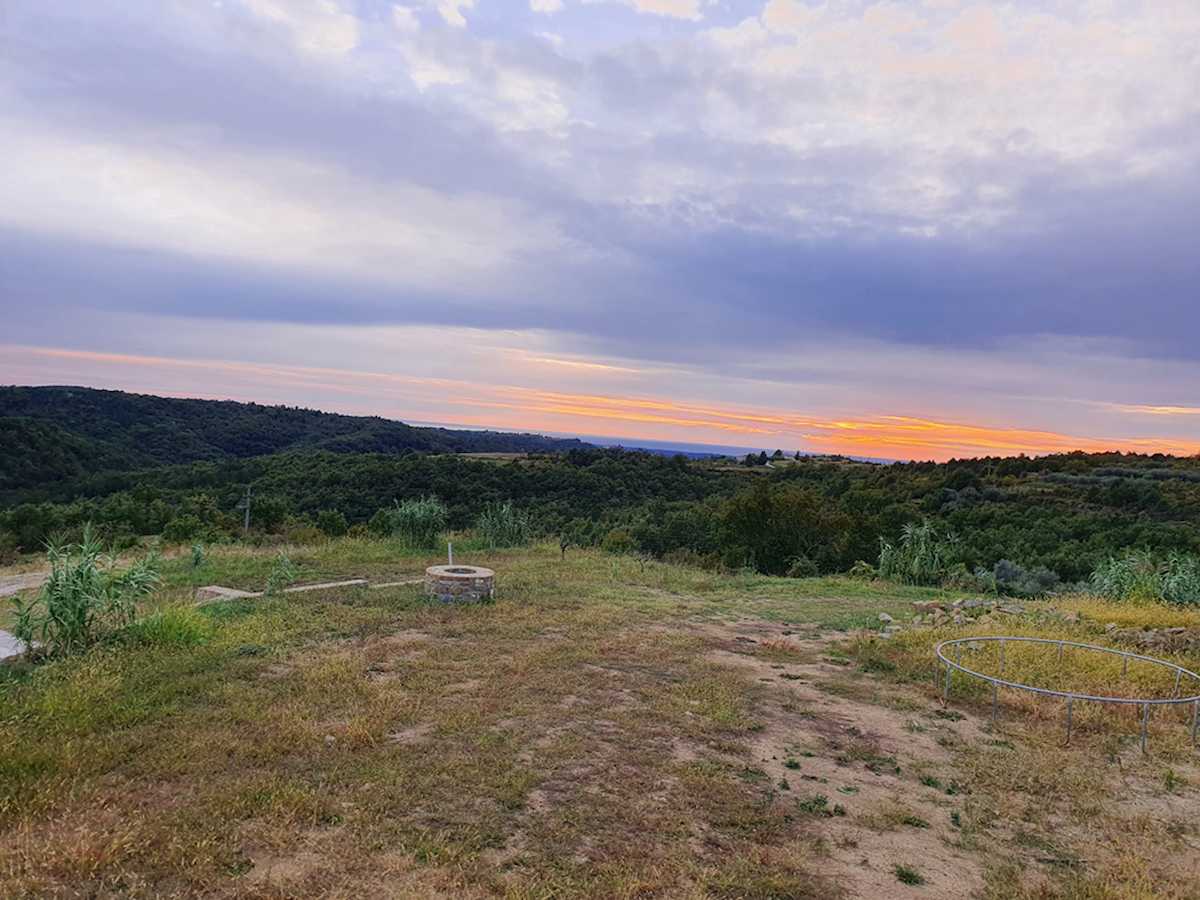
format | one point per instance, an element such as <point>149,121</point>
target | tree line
<point>1026,523</point>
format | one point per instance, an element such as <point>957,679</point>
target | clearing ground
<point>607,728</point>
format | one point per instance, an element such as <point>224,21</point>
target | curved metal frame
<point>1071,697</point>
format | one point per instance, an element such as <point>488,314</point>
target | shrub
<point>863,569</point>
<point>187,528</point>
<point>85,598</point>
<point>1014,579</point>
<point>619,541</point>
<point>305,534</point>
<point>802,567</point>
<point>332,522</point>
<point>8,549</point>
<point>383,523</point>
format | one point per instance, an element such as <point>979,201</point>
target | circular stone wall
<point>464,584</point>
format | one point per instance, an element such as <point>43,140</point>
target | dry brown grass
<point>605,729</point>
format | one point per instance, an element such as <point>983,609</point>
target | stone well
<point>461,584</point>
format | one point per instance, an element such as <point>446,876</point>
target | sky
<point>914,230</point>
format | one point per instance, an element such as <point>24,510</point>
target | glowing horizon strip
<point>883,435</point>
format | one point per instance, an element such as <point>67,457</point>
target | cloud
<point>545,6</point>
<point>719,196</point>
<point>316,26</point>
<point>405,19</point>
<point>679,9</point>
<point>266,209</point>
<point>451,11</point>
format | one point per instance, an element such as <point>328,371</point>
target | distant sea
<point>663,448</point>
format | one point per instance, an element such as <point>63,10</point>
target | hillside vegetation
<point>56,435</point>
<point>1015,525</point>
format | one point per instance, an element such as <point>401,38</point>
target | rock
<point>892,629</point>
<point>1011,608</point>
<point>1112,628</point>
<point>974,645</point>
<point>884,617</point>
<point>1176,631</point>
<point>884,634</point>
<point>924,606</point>
<point>971,604</point>
<point>986,619</point>
<point>1070,618</point>
<point>958,603</point>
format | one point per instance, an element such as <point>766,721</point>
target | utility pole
<point>246,506</point>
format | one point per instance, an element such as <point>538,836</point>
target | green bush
<point>85,598</point>
<point>332,523</point>
<point>619,541</point>
<point>187,528</point>
<point>802,567</point>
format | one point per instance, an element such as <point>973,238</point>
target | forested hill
<point>54,435</point>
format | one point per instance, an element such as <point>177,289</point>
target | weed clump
<point>908,874</point>
<point>285,570</point>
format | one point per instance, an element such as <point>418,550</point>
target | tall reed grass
<point>86,596</point>
<point>1141,577</point>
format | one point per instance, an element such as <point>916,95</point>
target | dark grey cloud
<point>686,235</point>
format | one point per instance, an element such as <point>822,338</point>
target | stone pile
<point>1161,639</point>
<point>937,614</point>
<point>962,611</point>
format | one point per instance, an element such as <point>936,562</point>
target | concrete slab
<point>10,647</point>
<point>321,587</point>
<point>212,592</point>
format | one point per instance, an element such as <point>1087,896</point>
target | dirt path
<point>14,584</point>
<point>835,733</point>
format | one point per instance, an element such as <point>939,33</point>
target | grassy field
<point>606,728</point>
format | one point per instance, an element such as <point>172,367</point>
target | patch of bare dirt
<point>412,736</point>
<point>835,733</point>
